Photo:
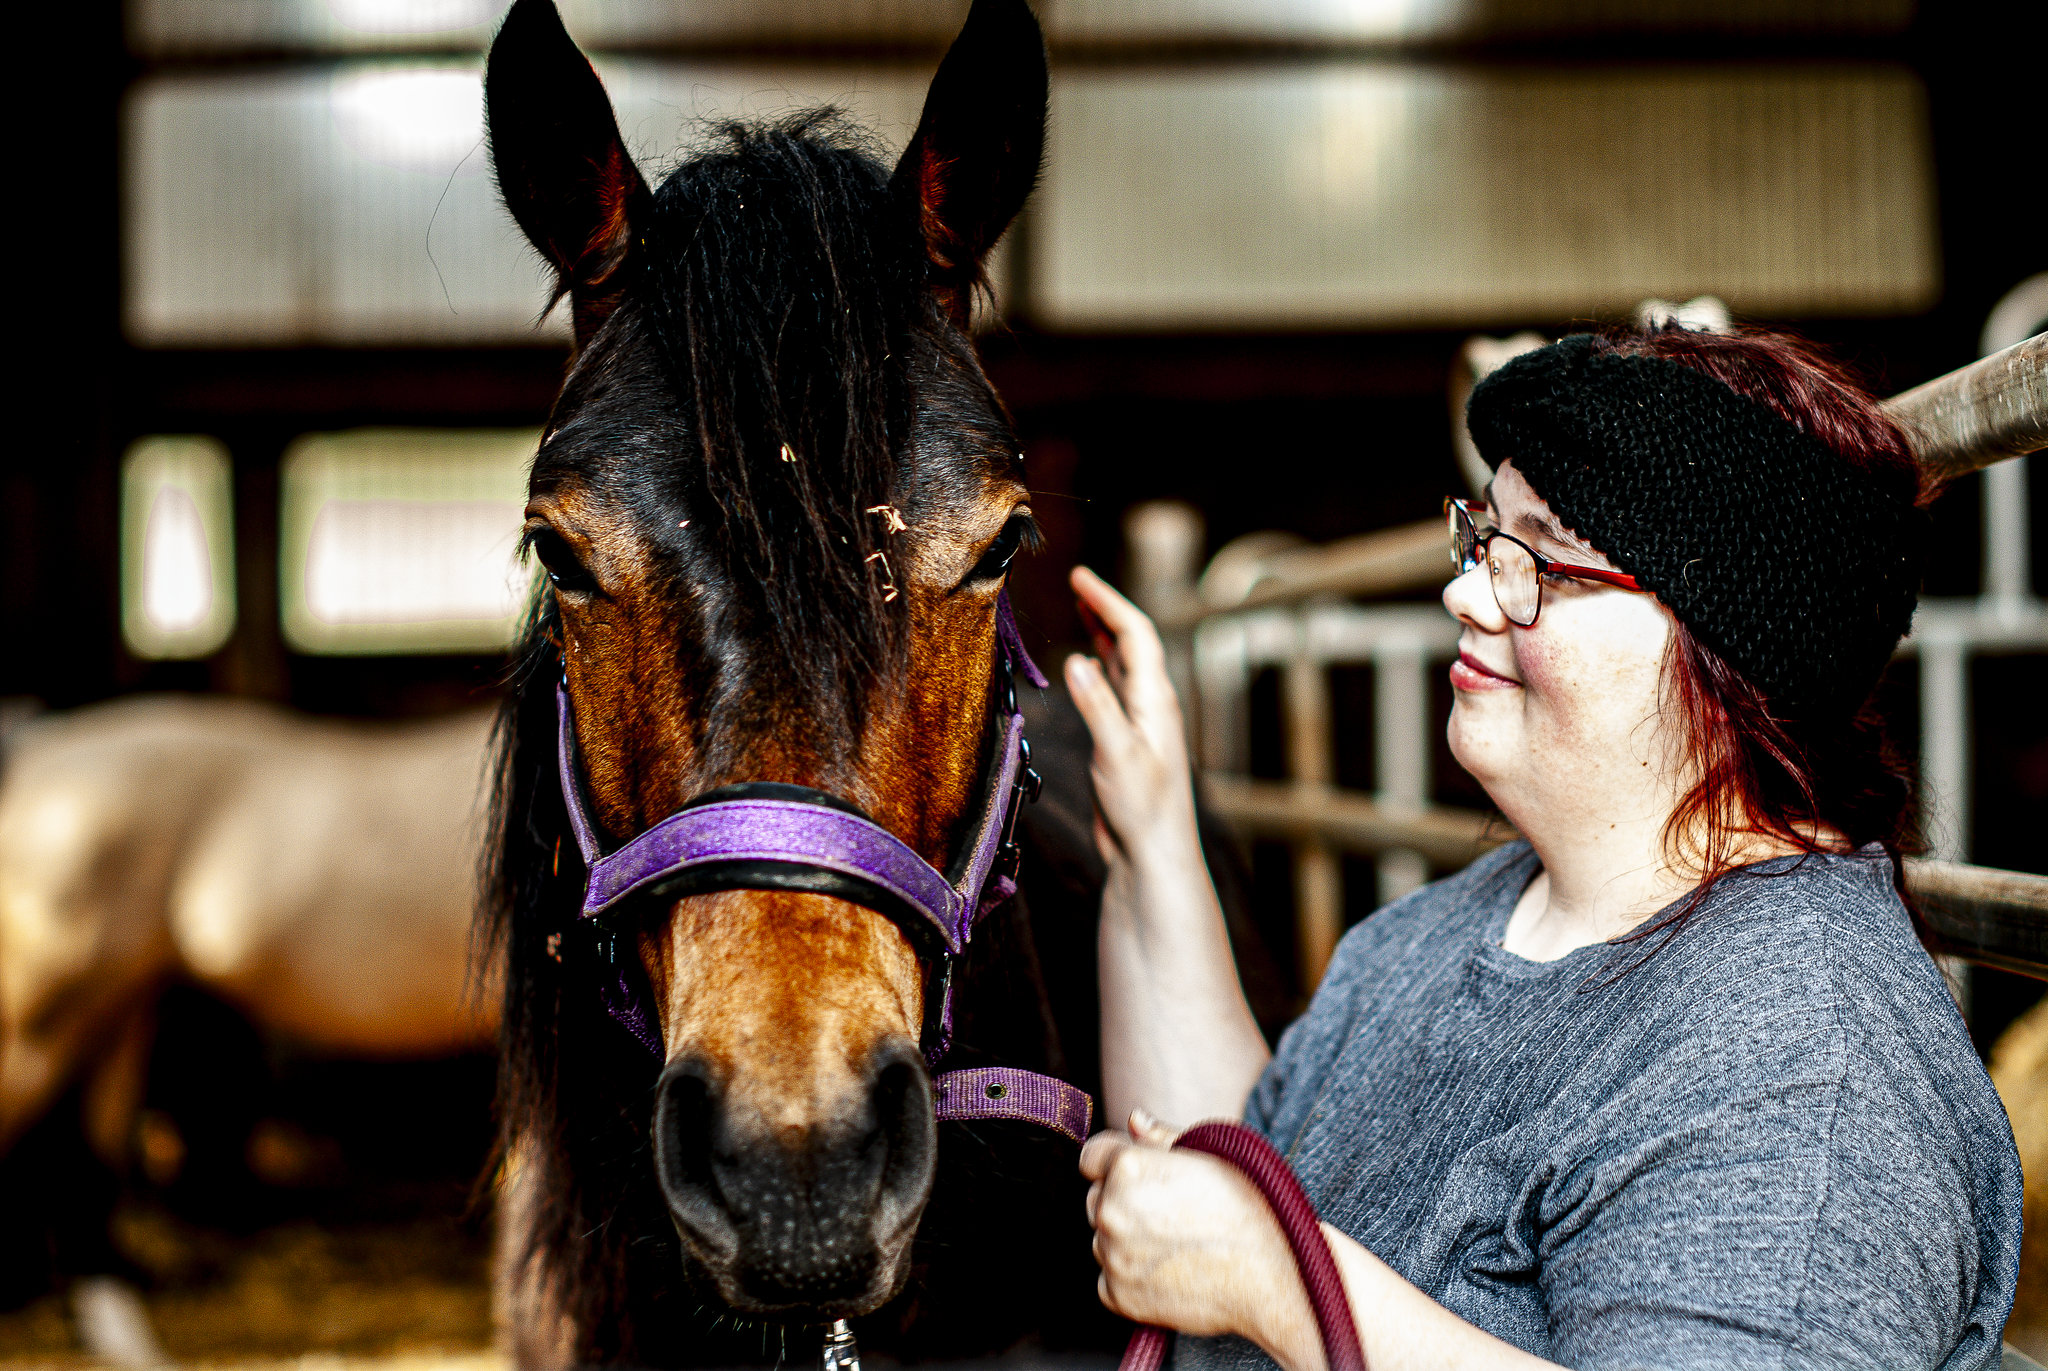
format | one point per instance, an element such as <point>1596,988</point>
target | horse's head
<point>776,501</point>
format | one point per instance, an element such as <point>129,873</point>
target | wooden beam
<point>1979,414</point>
<point>1387,562</point>
<point>1993,918</point>
<point>1352,821</point>
<point>1990,917</point>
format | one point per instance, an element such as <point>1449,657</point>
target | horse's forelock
<point>782,286</point>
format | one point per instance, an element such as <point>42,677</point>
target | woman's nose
<point>1469,598</point>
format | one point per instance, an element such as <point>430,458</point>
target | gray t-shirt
<point>1768,1144</point>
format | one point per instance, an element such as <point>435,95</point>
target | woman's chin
<point>1478,743</point>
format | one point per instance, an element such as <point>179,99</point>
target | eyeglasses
<point>1517,569</point>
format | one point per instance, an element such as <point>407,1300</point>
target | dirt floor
<point>279,1210</point>
<point>315,1361</point>
<point>308,1291</point>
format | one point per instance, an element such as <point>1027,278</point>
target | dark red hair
<point>1758,772</point>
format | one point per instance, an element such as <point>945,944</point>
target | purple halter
<point>763,835</point>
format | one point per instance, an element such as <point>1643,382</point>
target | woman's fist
<point>1184,1241</point>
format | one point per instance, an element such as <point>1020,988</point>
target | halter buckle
<point>937,1033</point>
<point>1009,854</point>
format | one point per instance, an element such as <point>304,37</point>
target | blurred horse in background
<point>319,876</point>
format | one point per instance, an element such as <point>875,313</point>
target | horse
<point>776,502</point>
<point>2019,1068</point>
<point>318,875</point>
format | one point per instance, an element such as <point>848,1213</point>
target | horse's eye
<point>1003,550</point>
<point>564,571</point>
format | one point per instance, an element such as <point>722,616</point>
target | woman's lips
<point>1468,674</point>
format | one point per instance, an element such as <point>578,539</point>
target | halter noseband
<point>764,835</point>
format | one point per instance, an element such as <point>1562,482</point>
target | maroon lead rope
<point>1262,1166</point>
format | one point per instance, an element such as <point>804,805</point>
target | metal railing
<point>1269,603</point>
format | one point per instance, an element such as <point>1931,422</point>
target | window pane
<point>404,540</point>
<point>354,205</point>
<point>1372,194</point>
<point>351,206</point>
<point>177,548</point>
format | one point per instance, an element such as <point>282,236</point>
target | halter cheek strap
<point>770,836</point>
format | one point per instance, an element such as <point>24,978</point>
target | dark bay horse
<point>776,501</point>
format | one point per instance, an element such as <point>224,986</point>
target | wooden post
<point>1400,716</point>
<point>1162,556</point>
<point>1318,870</point>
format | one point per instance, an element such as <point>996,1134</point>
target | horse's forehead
<point>619,439</point>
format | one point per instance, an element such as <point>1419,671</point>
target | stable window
<point>177,547</point>
<point>404,540</point>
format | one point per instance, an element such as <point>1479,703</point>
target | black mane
<point>778,284</point>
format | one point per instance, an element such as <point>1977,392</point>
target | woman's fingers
<point>1150,1131</point>
<point>1144,686</point>
<point>1123,748</point>
<point>1100,709</point>
<point>1109,604</point>
<point>1140,767</point>
<point>1137,640</point>
<point>1125,772</point>
<point>1100,1152</point>
<point>1103,640</point>
<point>1185,1242</point>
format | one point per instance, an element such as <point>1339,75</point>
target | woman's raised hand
<point>1143,794</point>
<point>1177,1035</point>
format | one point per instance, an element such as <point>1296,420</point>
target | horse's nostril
<point>688,1112</point>
<point>686,1121</point>
<point>903,1116</point>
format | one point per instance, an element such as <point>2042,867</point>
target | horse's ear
<point>562,168</point>
<point>975,155</point>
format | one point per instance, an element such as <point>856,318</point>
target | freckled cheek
<point>1593,678</point>
<point>1566,691</point>
<point>1537,659</point>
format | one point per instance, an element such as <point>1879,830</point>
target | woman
<point>1669,1082</point>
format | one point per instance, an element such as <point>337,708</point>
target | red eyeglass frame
<point>1453,506</point>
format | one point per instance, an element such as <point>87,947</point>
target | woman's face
<point>1559,721</point>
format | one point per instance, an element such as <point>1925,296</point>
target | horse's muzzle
<point>816,1220</point>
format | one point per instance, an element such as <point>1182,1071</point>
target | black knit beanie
<point>1798,570</point>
